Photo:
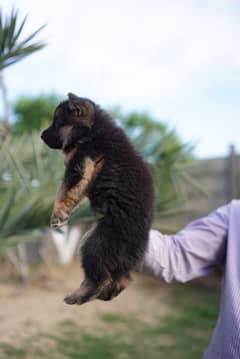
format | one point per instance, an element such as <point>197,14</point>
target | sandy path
<point>38,307</point>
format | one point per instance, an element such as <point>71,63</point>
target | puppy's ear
<point>82,110</point>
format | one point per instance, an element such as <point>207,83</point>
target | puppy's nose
<point>42,135</point>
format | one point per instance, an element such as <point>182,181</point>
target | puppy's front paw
<point>59,220</point>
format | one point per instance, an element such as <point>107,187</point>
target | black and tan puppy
<point>101,164</point>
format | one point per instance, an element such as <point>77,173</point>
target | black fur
<point>122,193</point>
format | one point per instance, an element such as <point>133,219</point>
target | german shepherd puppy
<point>101,164</point>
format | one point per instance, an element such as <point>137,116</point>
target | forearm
<point>190,253</point>
<point>72,191</point>
<point>65,203</point>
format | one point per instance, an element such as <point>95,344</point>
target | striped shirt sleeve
<point>190,253</point>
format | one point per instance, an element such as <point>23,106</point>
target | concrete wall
<point>216,183</point>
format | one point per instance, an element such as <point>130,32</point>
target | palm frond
<point>12,48</point>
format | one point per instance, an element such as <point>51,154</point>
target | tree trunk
<point>5,125</point>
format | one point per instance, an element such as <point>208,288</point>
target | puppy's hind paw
<point>76,298</point>
<point>70,299</point>
<point>85,293</point>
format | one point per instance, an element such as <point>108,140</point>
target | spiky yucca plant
<point>29,176</point>
<point>166,155</point>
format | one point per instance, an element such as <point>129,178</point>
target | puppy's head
<point>72,121</point>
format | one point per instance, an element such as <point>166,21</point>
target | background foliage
<point>33,113</point>
<point>30,172</point>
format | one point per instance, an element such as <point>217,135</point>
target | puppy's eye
<point>60,122</point>
<point>76,113</point>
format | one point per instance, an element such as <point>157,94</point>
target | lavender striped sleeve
<point>194,252</point>
<point>190,253</point>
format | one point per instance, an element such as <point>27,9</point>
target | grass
<point>182,335</point>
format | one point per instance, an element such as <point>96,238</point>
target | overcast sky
<point>177,59</point>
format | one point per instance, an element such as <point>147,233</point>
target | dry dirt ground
<point>37,306</point>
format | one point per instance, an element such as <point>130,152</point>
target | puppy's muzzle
<point>51,139</point>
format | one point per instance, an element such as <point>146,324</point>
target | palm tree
<point>13,48</point>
